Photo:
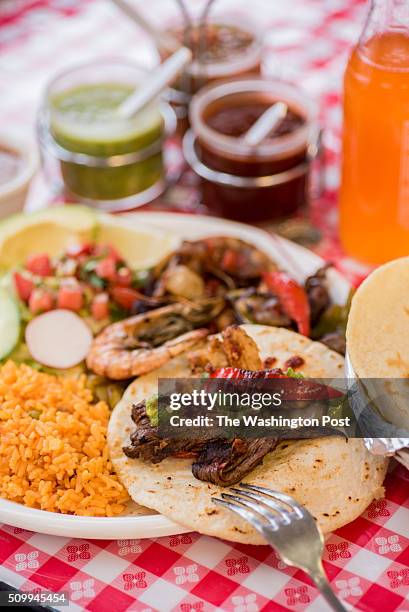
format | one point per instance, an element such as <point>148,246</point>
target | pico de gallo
<point>92,280</point>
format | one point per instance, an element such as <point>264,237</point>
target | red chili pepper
<point>297,389</point>
<point>292,297</point>
<point>240,374</point>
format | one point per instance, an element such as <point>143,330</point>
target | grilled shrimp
<point>144,342</point>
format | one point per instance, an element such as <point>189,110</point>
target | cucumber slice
<point>9,323</point>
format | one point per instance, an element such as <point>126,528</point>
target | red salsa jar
<point>251,183</point>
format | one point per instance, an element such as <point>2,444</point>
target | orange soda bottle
<point>374,193</point>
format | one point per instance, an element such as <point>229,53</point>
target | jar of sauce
<point>220,50</point>
<point>105,160</point>
<point>10,164</point>
<point>18,165</point>
<point>251,183</point>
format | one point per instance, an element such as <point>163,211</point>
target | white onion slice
<point>58,339</point>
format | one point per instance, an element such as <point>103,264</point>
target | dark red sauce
<point>253,204</point>
<point>237,120</point>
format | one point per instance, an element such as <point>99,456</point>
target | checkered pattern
<point>368,560</point>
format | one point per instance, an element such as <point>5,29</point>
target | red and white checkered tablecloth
<point>368,560</point>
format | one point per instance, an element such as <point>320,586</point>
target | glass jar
<point>242,182</point>
<point>103,159</point>
<point>222,49</point>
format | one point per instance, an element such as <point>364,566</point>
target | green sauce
<point>84,120</point>
<point>151,408</point>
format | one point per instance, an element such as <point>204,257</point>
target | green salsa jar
<point>105,159</point>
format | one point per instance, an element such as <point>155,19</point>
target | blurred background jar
<point>269,181</point>
<point>104,160</point>
<point>223,47</point>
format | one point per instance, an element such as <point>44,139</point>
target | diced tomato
<point>70,297</point>
<point>106,268</point>
<point>76,250</point>
<point>100,307</point>
<point>107,250</point>
<point>124,277</point>
<point>24,286</point>
<point>124,296</point>
<point>40,300</point>
<point>39,264</point>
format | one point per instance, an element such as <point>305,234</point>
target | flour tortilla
<point>378,323</point>
<point>334,478</point>
<point>377,342</point>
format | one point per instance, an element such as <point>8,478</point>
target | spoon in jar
<point>265,124</point>
<point>163,76</point>
<point>164,41</point>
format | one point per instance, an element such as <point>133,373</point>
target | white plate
<point>298,261</point>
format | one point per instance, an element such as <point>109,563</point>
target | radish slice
<point>58,339</point>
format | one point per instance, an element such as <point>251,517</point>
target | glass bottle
<point>374,194</point>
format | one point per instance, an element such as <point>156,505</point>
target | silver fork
<point>288,527</point>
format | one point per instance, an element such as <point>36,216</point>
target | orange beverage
<point>374,194</point>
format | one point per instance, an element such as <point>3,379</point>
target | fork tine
<point>286,499</point>
<point>244,513</point>
<point>257,507</point>
<point>281,513</point>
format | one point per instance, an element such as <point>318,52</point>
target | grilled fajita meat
<point>240,349</point>
<point>220,461</point>
<point>146,443</point>
<point>226,462</point>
